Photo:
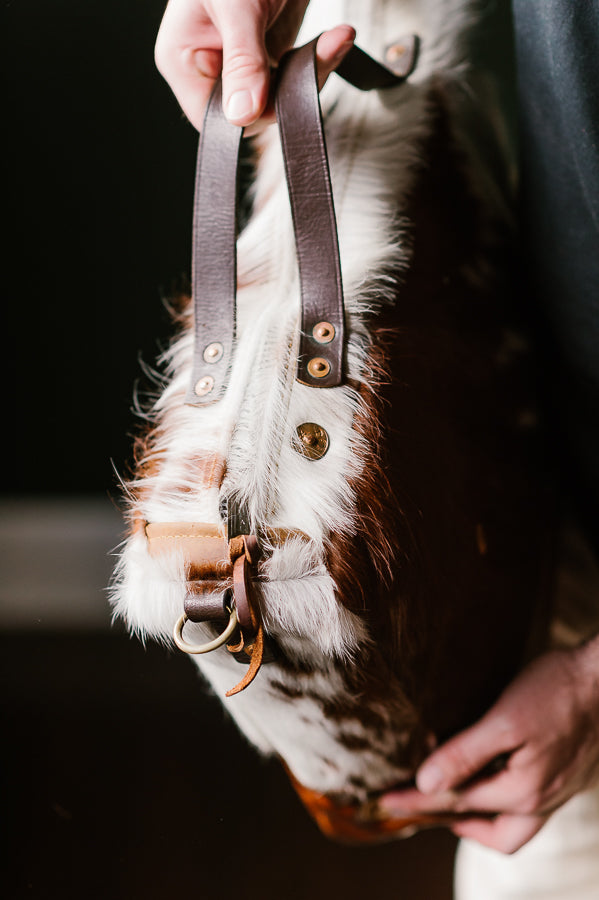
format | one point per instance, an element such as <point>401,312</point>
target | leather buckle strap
<point>220,576</point>
<point>214,270</point>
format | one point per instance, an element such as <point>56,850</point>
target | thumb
<point>465,755</point>
<point>245,70</point>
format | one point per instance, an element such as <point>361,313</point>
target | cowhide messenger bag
<point>336,508</point>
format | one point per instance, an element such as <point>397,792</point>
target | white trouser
<point>560,863</point>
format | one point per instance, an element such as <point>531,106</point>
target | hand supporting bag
<point>336,487</point>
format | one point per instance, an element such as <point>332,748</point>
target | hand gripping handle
<point>214,268</point>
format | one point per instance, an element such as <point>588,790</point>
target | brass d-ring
<point>209,645</point>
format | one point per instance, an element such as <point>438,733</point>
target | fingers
<point>506,792</point>
<point>199,39</point>
<point>410,800</point>
<point>188,54</point>
<point>246,68</point>
<point>466,755</point>
<point>331,48</point>
<point>519,791</point>
<point>504,833</point>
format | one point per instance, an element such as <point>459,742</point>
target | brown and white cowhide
<point>409,606</point>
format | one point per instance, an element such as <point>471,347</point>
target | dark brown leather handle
<point>214,257</point>
<point>214,267</point>
<point>320,361</point>
<point>365,73</point>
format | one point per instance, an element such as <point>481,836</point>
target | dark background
<point>98,179</point>
<point>124,780</point>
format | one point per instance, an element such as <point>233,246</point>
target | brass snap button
<point>323,332</point>
<point>213,352</point>
<point>319,367</point>
<point>312,441</point>
<point>395,52</point>
<point>204,385</point>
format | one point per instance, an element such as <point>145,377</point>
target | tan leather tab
<point>160,530</point>
<point>205,548</point>
<point>202,545</point>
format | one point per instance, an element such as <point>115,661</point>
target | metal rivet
<point>312,440</point>
<point>394,52</point>
<point>319,367</point>
<point>213,352</point>
<point>204,385</point>
<point>323,332</point>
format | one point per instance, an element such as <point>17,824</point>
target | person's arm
<point>546,727</point>
<point>242,38</point>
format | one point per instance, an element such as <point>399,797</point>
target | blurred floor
<point>124,779</point>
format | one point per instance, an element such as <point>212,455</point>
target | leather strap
<point>297,106</point>
<point>203,547</point>
<point>365,73</point>
<point>214,257</point>
<point>215,565</point>
<point>256,659</point>
<point>203,544</point>
<point>214,230</point>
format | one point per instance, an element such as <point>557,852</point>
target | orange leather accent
<point>257,651</point>
<point>238,647</point>
<point>361,824</point>
<point>203,546</point>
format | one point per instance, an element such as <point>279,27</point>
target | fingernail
<point>240,105</point>
<point>430,779</point>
